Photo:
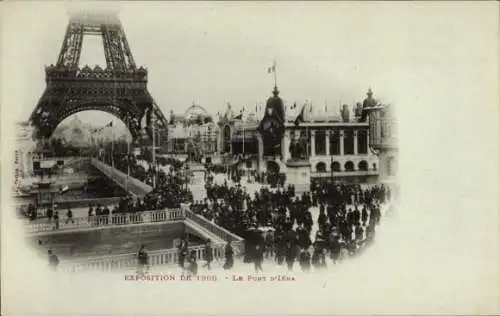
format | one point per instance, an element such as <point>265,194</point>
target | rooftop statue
<point>369,100</point>
<point>229,115</point>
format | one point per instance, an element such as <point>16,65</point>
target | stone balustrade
<point>129,261</point>
<point>156,257</point>
<point>107,220</point>
<point>128,183</point>
<point>237,242</point>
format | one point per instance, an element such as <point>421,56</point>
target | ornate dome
<point>195,111</point>
<point>276,104</point>
<point>369,101</point>
<point>196,114</point>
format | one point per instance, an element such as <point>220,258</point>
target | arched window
<point>335,166</point>
<point>374,166</point>
<point>321,167</point>
<point>363,165</point>
<point>349,166</point>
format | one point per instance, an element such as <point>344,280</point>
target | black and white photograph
<point>169,158</point>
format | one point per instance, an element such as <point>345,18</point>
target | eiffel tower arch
<point>120,89</point>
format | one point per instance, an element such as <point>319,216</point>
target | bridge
<point>193,223</point>
<point>128,183</point>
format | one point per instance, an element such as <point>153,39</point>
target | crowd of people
<point>277,224</point>
<point>274,222</point>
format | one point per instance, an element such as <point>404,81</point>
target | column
<point>285,146</point>
<point>355,135</point>
<point>341,141</point>
<point>368,141</point>
<point>327,143</point>
<point>260,157</point>
<point>313,143</point>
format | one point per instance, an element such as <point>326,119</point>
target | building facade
<point>384,139</point>
<point>347,146</point>
<point>192,131</point>
<point>25,152</point>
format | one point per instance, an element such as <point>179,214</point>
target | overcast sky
<point>219,52</point>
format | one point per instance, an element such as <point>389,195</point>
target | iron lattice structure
<point>120,89</point>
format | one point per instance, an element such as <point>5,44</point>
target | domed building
<point>341,145</point>
<point>197,115</point>
<point>194,129</point>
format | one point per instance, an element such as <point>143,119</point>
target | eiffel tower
<point>120,89</point>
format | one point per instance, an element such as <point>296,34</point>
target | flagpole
<point>274,70</point>
<point>308,138</point>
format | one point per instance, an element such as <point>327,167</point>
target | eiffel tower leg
<point>120,89</point>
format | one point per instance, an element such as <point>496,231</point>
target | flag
<point>272,68</point>
<point>300,117</point>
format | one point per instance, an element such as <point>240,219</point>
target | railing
<point>72,202</point>
<point>129,183</point>
<point>327,174</point>
<point>128,261</point>
<point>107,220</point>
<point>236,241</point>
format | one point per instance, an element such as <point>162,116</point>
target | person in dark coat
<point>259,257</point>
<point>50,213</point>
<point>91,213</point>
<point>33,214</point>
<point>142,260</point>
<point>356,215</point>
<point>335,248</point>
<point>229,253</point>
<point>69,216</point>
<point>315,257</point>
<point>280,249</point>
<point>56,219</point>
<point>182,249</point>
<point>291,254</point>
<point>321,216</point>
<point>193,265</point>
<point>209,256</point>
<point>359,233</point>
<point>305,261</point>
<point>53,260</point>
